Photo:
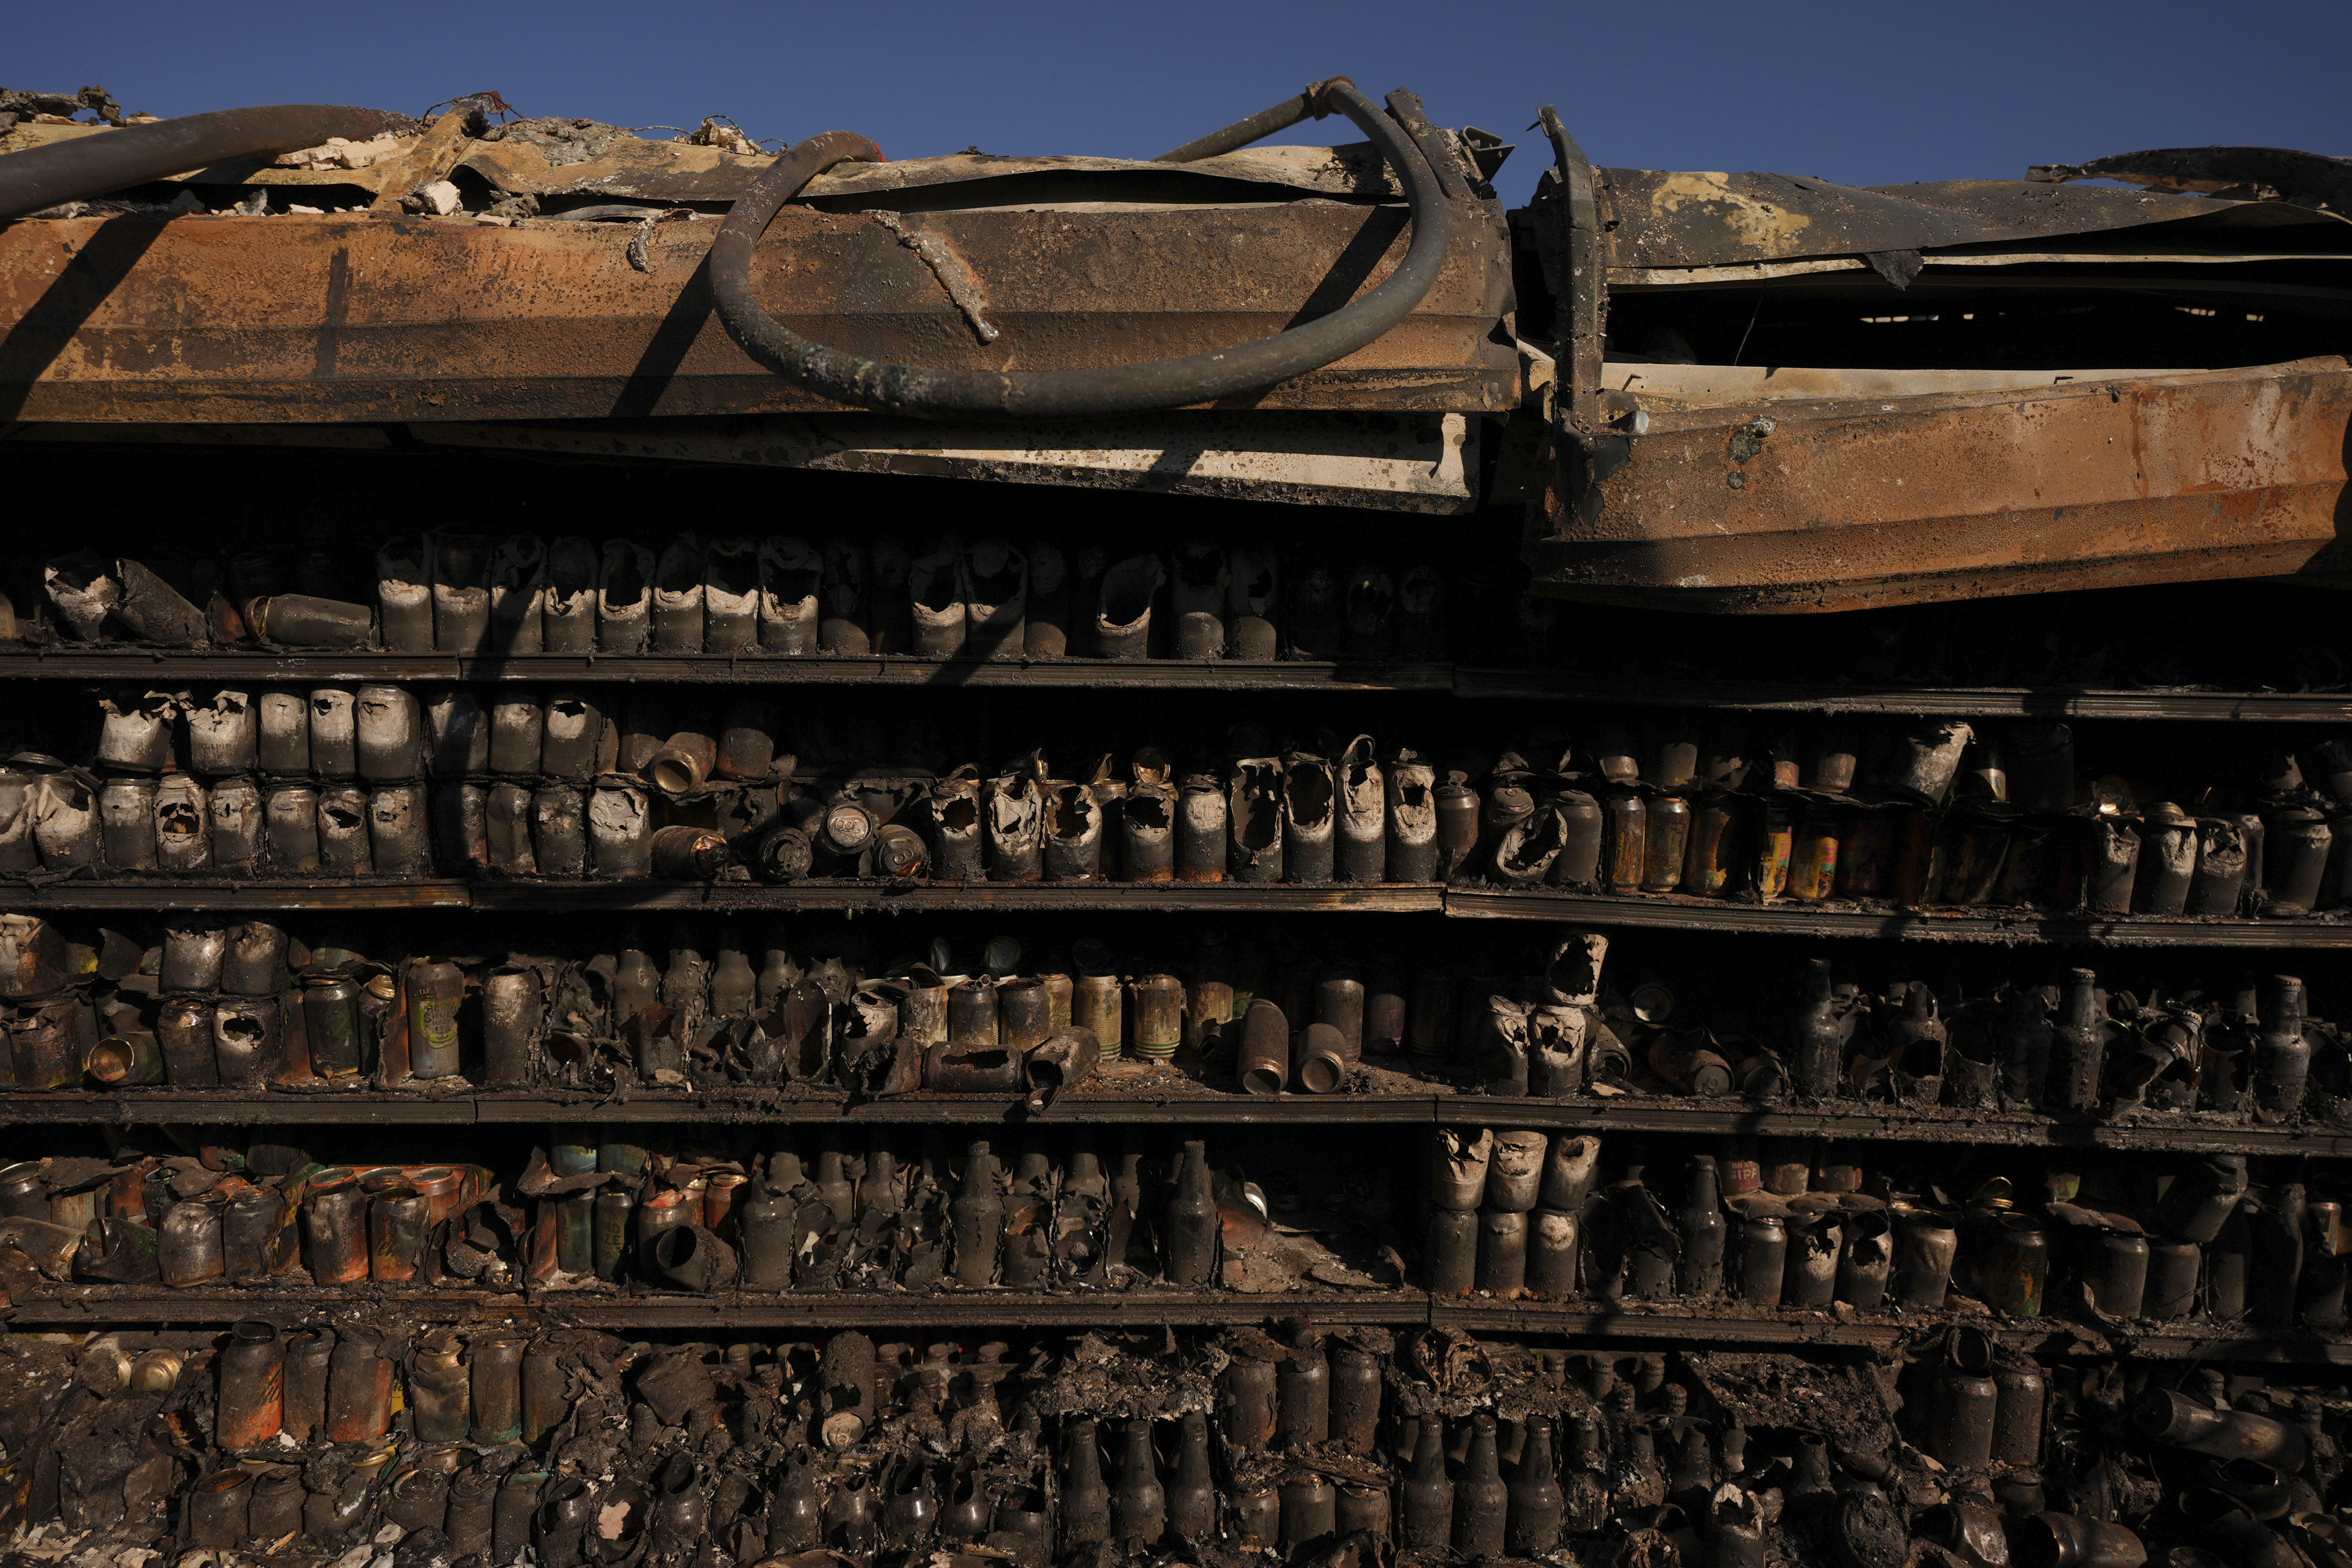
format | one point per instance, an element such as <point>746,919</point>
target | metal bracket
<point>1582,308</point>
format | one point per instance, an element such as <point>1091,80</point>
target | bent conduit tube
<point>92,165</point>
<point>1067,393</point>
<point>1316,100</point>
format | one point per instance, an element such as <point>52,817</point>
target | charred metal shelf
<point>1189,1103</point>
<point>1726,1117</point>
<point>1667,911</point>
<point>2183,1340</point>
<point>96,1305</point>
<point>201,893</point>
<point>127,662</point>
<point>865,898</point>
<point>245,1107</point>
<point>859,898</point>
<point>1675,911</point>
<point>112,1304</point>
<point>133,663</point>
<point>1939,701</point>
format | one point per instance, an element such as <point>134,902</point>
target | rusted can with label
<point>1813,855</point>
<point>1711,866</point>
<point>1160,1017</point>
<point>1096,1007</point>
<point>1624,850</point>
<point>1665,835</point>
<point>436,988</point>
<point>1776,843</point>
<point>2016,1266</point>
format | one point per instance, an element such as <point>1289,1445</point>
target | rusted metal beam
<point>341,318</point>
<point>1837,505</point>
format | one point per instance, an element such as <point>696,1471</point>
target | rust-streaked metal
<point>1839,504</point>
<point>341,318</point>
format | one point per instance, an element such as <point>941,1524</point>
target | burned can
<point>1813,855</point>
<point>1763,1257</point>
<point>2114,1273</point>
<point>126,818</point>
<point>331,1021</point>
<point>1866,854</point>
<point>246,1041</point>
<point>183,1034</point>
<point>2295,857</point>
<point>188,1249</point>
<point>399,1219</point>
<point>2168,861</point>
<point>183,841</point>
<point>344,848</point>
<point>1712,864</point>
<point>282,746</point>
<point>559,831</point>
<point>2016,1266</point>
<point>290,824</point>
<point>1665,842</point>
<point>1624,848</point>
<point>1159,1005</point>
<point>334,734</point>
<point>1775,844</point>
<point>251,1408</point>
<point>1925,1246</point>
<point>1581,835</point>
<point>359,1391</point>
<point>1963,1410</point>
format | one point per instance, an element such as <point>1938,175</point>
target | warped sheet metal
<point>1426,464</point>
<point>1851,502</point>
<point>1665,218</point>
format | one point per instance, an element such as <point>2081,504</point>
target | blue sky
<point>1863,94</point>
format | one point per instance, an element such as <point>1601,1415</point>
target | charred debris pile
<point>569,1447</point>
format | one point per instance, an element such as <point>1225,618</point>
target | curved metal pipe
<point>92,165</point>
<point>1316,100</point>
<point>1068,394</point>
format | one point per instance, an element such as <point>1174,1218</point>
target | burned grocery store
<point>716,855</point>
